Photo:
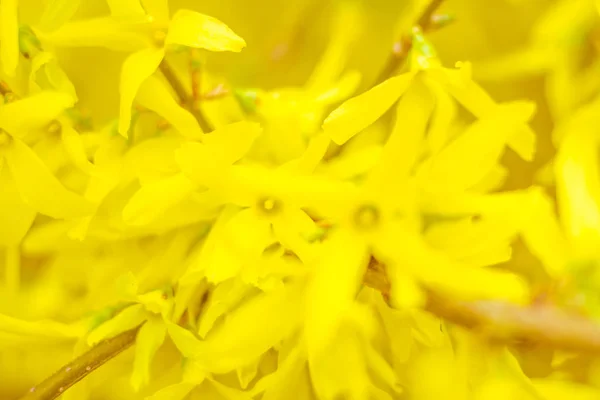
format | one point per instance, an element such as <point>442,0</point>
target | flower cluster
<point>311,236</point>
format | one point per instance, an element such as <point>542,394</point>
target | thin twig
<point>196,78</point>
<point>79,368</point>
<point>181,92</point>
<point>403,46</point>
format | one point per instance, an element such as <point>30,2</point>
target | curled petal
<point>127,319</point>
<point>75,149</point>
<point>192,29</point>
<point>136,69</point>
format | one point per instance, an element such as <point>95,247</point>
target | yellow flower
<point>151,34</point>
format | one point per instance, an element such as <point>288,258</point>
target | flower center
<point>269,205</point>
<point>366,217</point>
<point>159,36</point>
<point>54,128</point>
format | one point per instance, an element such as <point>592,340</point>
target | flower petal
<point>126,8</point>
<point>39,188</point>
<point>158,9</point>
<point>34,112</point>
<point>75,149</point>
<point>153,199</point>
<point>136,69</point>
<point>58,12</point>
<point>192,29</point>
<point>40,329</point>
<point>333,288</point>
<point>359,112</point>
<point>469,158</point>
<point>104,32</point>
<point>15,214</point>
<point>127,319</point>
<point>154,95</point>
<point>177,391</point>
<point>148,340</point>
<point>9,37</point>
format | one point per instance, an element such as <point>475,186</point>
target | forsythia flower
<point>291,239</point>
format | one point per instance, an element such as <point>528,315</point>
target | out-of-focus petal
<point>136,69</point>
<point>15,214</point>
<point>192,29</point>
<point>333,288</point>
<point>126,8</point>
<point>155,198</point>
<point>127,319</point>
<point>153,95</point>
<point>359,112</point>
<point>39,188</point>
<point>158,9</point>
<point>469,158</point>
<point>75,149</point>
<point>177,391</point>
<point>9,36</point>
<point>98,32</point>
<point>34,112</point>
<point>58,12</point>
<point>148,340</point>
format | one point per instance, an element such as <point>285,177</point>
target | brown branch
<point>508,323</point>
<point>402,47</point>
<point>181,92</point>
<point>82,366</point>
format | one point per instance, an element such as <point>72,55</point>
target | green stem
<point>82,366</point>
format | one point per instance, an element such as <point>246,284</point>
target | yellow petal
<point>578,188</point>
<point>224,298</point>
<point>98,32</point>
<point>345,29</point>
<point>442,119</point>
<point>136,69</point>
<point>15,214</point>
<point>205,162</point>
<point>126,8</point>
<point>75,149</point>
<point>39,188</point>
<point>543,234</point>
<point>192,29</point>
<point>248,332</point>
<point>148,340</point>
<point>333,288</point>
<point>154,96</point>
<point>34,112</point>
<point>177,391</point>
<point>158,9</point>
<point>405,144</point>
<point>359,112</point>
<point>435,270</point>
<point>558,390</point>
<point>125,320</point>
<point>153,199</point>
<point>57,12</point>
<point>469,158</point>
<point>9,36</point>
<point>39,329</point>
